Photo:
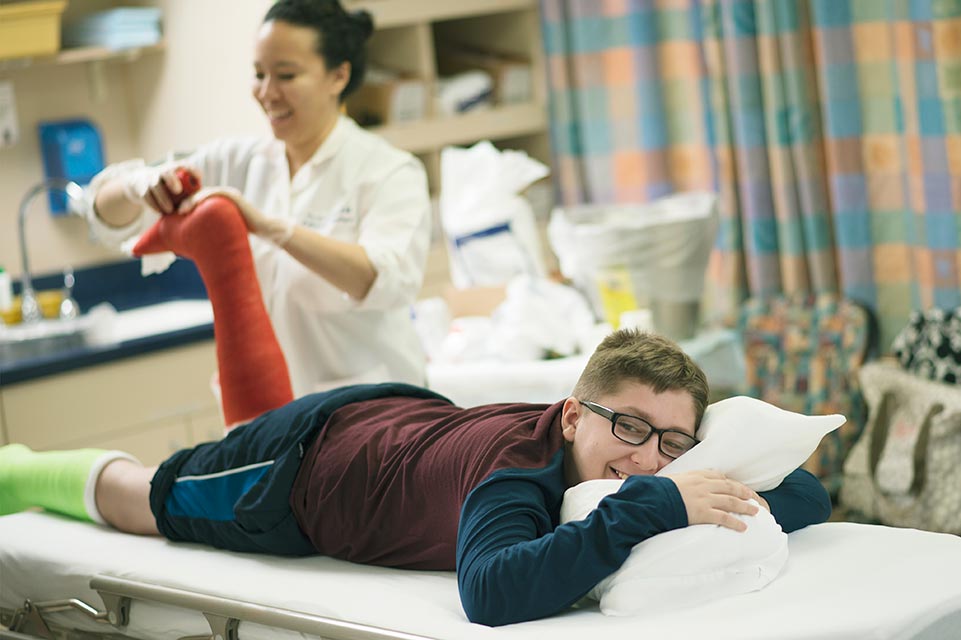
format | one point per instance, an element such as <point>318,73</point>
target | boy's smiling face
<point>593,451</point>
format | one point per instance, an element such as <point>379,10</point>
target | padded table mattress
<point>842,580</point>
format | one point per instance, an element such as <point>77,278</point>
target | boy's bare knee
<point>123,497</point>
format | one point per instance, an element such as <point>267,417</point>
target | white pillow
<point>749,440</point>
<point>754,442</point>
<point>684,567</point>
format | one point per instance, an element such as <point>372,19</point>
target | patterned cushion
<point>803,353</point>
<point>930,345</point>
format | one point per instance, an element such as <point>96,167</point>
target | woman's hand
<point>156,187</point>
<point>275,230</point>
<point>712,498</point>
<point>345,265</point>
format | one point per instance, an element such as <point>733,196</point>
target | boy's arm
<point>798,501</point>
<point>513,565</point>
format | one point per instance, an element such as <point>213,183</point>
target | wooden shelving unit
<point>501,122</point>
<point>82,54</point>
<point>403,13</point>
<point>405,41</point>
<point>94,58</point>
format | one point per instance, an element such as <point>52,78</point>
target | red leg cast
<point>253,372</point>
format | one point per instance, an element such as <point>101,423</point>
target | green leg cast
<point>60,481</point>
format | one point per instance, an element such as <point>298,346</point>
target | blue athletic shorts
<point>235,493</point>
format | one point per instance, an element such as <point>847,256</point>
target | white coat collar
<point>327,149</point>
<point>335,140</point>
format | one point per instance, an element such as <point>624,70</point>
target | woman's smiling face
<point>593,451</point>
<point>293,85</point>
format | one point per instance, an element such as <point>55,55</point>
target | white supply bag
<point>489,226</point>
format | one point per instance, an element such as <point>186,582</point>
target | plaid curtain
<point>831,129</point>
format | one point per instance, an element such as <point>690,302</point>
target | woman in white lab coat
<point>339,220</point>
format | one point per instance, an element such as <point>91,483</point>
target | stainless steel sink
<point>101,326</point>
<point>43,338</point>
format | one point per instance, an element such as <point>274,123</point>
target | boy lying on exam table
<point>395,475</point>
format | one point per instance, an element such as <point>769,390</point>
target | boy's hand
<point>712,498</point>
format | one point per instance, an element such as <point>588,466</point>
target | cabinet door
<point>98,403</point>
<point>3,424</point>
<point>151,444</point>
<point>206,426</point>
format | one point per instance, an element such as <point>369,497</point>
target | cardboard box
<point>513,78</point>
<point>388,100</point>
<point>30,28</point>
<point>475,301</point>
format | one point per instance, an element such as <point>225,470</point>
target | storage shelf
<point>81,54</point>
<point>90,54</point>
<point>496,123</point>
<point>398,13</point>
<point>407,40</point>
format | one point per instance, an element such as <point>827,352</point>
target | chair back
<point>803,353</point>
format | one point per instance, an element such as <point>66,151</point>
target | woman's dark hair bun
<point>364,22</point>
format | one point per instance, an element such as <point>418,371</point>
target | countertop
<point>27,369</point>
<point>121,285</point>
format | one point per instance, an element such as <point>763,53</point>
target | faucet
<point>30,309</point>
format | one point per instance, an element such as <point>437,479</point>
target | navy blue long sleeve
<point>514,563</point>
<point>798,501</point>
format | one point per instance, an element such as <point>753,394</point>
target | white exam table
<point>841,581</point>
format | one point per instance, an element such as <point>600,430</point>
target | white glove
<point>278,231</point>
<point>153,186</point>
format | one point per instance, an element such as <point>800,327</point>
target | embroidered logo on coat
<point>325,221</point>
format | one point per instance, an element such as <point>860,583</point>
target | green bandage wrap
<point>60,481</point>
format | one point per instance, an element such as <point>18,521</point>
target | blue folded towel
<point>119,28</point>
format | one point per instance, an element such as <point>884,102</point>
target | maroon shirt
<point>385,479</point>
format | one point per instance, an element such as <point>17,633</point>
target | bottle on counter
<point>6,290</point>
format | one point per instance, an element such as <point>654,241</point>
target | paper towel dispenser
<point>71,149</point>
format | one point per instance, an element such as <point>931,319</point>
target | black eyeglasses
<point>637,431</point>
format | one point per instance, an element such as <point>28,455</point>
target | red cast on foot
<point>253,372</point>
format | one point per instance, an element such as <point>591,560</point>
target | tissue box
<point>474,301</point>
<point>30,28</point>
<point>387,98</point>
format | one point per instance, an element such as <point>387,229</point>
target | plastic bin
<point>625,257</point>
<point>30,28</point>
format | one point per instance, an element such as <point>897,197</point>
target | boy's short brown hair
<point>629,355</point>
